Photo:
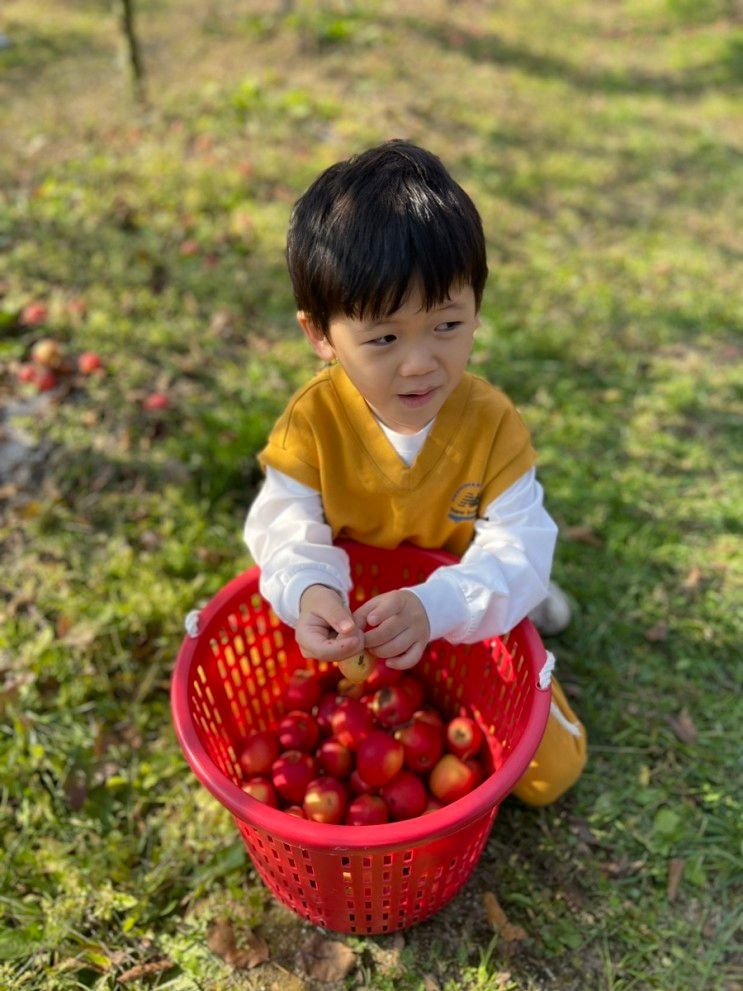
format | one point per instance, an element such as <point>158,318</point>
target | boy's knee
<point>560,757</point>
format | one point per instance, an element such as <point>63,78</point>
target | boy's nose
<point>417,362</point>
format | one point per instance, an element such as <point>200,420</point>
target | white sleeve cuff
<point>445,604</point>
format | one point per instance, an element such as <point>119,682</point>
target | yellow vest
<point>328,438</point>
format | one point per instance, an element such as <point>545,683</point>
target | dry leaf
<point>499,920</point>
<point>692,580</point>
<point>145,970</point>
<point>326,959</point>
<point>675,870</point>
<point>683,726</point>
<point>220,939</point>
<point>584,535</point>
<point>657,632</point>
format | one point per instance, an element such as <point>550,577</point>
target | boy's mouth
<point>417,398</point>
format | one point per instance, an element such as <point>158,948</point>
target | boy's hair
<point>368,227</point>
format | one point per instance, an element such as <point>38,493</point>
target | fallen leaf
<point>580,828</point>
<point>145,970</point>
<point>326,959</point>
<point>692,580</point>
<point>683,726</point>
<point>657,632</point>
<point>499,920</point>
<point>584,535</point>
<point>220,938</point>
<point>675,870</point>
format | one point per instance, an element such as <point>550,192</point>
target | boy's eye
<point>382,341</point>
<point>448,326</point>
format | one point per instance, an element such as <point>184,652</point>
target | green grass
<point>601,144</point>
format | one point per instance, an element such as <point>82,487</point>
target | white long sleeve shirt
<point>502,575</point>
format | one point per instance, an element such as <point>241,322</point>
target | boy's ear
<point>318,341</point>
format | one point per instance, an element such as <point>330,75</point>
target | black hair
<point>369,227</point>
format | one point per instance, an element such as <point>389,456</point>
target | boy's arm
<point>502,575</point>
<point>288,538</point>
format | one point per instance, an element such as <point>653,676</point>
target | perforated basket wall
<point>229,682</point>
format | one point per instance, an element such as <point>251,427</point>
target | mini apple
<point>463,737</point>
<point>34,314</point>
<point>379,758</point>
<point>325,800</point>
<point>367,810</point>
<point>303,690</point>
<point>414,689</point>
<point>89,362</point>
<point>422,743</point>
<point>381,675</point>
<point>351,722</point>
<point>156,400</point>
<point>335,759</point>
<point>27,372</point>
<point>258,753</point>
<point>432,805</point>
<point>392,705</point>
<point>46,380</point>
<point>47,352</point>
<point>325,709</point>
<point>431,716</point>
<point>350,689</point>
<point>405,796</point>
<point>262,790</point>
<point>298,731</point>
<point>295,810</point>
<point>357,668</point>
<point>291,773</point>
<point>477,770</point>
<point>358,785</point>
<point>451,779</point>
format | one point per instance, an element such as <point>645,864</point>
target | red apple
<point>379,758</point>
<point>431,716</point>
<point>291,774</point>
<point>463,737</point>
<point>477,770</point>
<point>303,691</point>
<point>367,810</point>
<point>34,314</point>
<point>295,810</point>
<point>155,400</point>
<point>262,790</point>
<point>325,709</point>
<point>350,689</point>
<point>405,796</point>
<point>335,759</point>
<point>89,362</point>
<point>381,675</point>
<point>259,752</point>
<point>414,689</point>
<point>392,705</point>
<point>46,380</point>
<point>351,722</point>
<point>451,779</point>
<point>358,785</point>
<point>325,800</point>
<point>27,372</point>
<point>298,731</point>
<point>423,745</point>
<point>432,805</point>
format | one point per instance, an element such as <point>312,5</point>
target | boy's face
<point>405,365</point>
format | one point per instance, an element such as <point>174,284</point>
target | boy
<point>395,441</point>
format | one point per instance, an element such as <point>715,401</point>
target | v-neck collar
<point>376,443</point>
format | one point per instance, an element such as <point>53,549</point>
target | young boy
<point>395,441</point>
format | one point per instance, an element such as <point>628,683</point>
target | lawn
<point>602,144</point>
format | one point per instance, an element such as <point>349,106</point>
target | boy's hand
<point>326,629</point>
<point>401,628</point>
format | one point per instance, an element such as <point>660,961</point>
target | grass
<point>601,145</point>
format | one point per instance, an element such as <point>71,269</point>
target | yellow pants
<point>560,757</point>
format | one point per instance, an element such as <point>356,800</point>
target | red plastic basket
<point>228,682</point>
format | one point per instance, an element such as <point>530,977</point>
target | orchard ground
<point>602,146</point>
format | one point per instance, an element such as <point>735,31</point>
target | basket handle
<point>545,675</point>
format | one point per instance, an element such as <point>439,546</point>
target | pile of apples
<point>49,365</point>
<point>362,753</point>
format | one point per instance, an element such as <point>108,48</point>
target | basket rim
<point>304,832</point>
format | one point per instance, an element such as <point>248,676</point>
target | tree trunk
<point>132,49</point>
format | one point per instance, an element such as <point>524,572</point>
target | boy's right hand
<point>326,630</point>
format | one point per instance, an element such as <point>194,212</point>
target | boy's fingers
<point>395,646</point>
<point>406,660</point>
<point>386,630</point>
<point>376,610</point>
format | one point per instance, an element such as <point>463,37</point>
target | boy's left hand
<point>400,627</point>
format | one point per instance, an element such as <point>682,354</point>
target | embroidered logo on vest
<point>465,502</point>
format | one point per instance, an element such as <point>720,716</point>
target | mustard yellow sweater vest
<point>328,438</point>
